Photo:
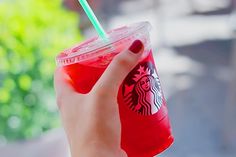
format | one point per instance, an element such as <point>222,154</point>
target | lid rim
<point>136,27</point>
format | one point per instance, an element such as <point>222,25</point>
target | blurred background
<point>195,52</point>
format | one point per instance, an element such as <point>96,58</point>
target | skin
<point>91,121</point>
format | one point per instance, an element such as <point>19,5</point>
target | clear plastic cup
<point>145,126</point>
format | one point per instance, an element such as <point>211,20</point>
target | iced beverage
<point>145,126</point>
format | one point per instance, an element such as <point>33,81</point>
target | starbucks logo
<point>142,91</point>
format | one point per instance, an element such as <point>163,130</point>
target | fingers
<point>118,69</point>
<point>62,85</point>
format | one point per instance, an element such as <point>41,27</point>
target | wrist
<point>98,149</point>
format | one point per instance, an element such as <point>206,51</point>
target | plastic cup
<point>145,126</point>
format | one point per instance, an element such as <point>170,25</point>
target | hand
<point>91,121</point>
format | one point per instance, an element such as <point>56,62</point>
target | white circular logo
<point>142,91</point>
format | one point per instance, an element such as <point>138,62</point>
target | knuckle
<point>62,99</point>
<point>124,61</point>
<point>59,101</point>
<point>102,93</point>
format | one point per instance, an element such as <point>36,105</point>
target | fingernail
<point>136,47</point>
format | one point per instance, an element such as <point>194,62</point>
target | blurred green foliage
<point>32,33</point>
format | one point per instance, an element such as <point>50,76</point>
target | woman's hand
<point>91,121</point>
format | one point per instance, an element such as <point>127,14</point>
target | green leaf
<point>25,82</point>
<point>32,33</point>
<point>4,95</point>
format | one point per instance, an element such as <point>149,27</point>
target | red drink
<point>144,118</point>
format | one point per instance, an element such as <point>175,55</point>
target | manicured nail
<point>136,47</point>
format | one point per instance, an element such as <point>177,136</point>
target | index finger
<point>119,68</point>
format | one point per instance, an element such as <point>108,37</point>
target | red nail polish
<point>136,47</point>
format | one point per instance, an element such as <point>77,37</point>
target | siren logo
<point>142,91</point>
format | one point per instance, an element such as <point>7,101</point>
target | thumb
<point>119,68</point>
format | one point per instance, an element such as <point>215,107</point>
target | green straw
<point>93,19</point>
